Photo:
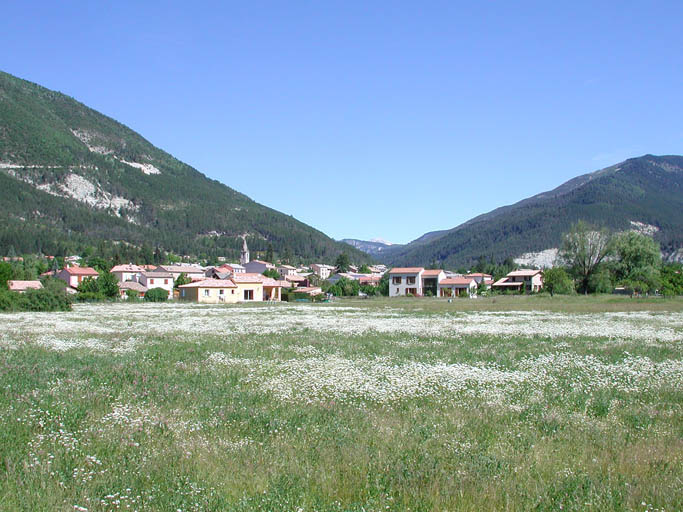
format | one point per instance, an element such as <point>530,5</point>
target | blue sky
<point>371,119</point>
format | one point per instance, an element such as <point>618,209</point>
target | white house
<point>456,286</point>
<point>286,270</point>
<point>157,279</point>
<point>405,280</point>
<point>526,279</point>
<point>480,277</point>
<point>321,270</point>
<point>127,272</point>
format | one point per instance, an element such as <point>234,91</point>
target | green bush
<point>45,299</point>
<point>156,295</point>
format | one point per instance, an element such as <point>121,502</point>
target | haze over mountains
<point>71,177</point>
<point>644,193</point>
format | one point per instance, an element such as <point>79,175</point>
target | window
<point>248,294</point>
<point>396,280</point>
<point>182,293</point>
<point>206,293</point>
<point>233,292</point>
<point>410,280</point>
<point>165,281</point>
<point>151,281</point>
<point>221,291</point>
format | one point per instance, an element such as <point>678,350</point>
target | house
<point>526,279</point>
<point>321,270</point>
<point>257,267</point>
<point>256,287</point>
<point>286,270</point>
<point>296,280</point>
<point>234,268</point>
<point>194,273</point>
<point>131,285</point>
<point>128,272</point>
<point>21,286</point>
<point>157,279</point>
<point>430,281</point>
<point>480,277</point>
<point>457,286</point>
<point>405,280</point>
<point>309,290</point>
<point>372,280</point>
<point>210,291</point>
<point>73,276</point>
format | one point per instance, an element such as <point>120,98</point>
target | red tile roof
<point>524,272</point>
<point>295,278</point>
<point>478,274</point>
<point>210,283</point>
<point>369,279</point>
<point>249,277</point>
<point>20,286</point>
<point>431,272</point>
<point>504,282</point>
<point>82,271</point>
<point>126,268</point>
<point>457,281</point>
<point>406,270</point>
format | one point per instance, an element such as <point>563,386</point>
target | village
<point>258,281</point>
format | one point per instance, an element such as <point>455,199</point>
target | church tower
<point>244,257</point>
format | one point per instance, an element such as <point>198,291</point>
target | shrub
<point>156,295</point>
<point>45,299</point>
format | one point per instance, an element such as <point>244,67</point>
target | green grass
<point>178,407</point>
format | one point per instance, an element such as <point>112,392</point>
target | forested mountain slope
<point>70,176</point>
<point>645,192</point>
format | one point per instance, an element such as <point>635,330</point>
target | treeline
<point>595,260</point>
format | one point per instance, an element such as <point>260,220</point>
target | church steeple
<point>244,257</point>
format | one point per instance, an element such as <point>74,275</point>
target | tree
<point>182,279</point>
<point>556,280</point>
<point>5,274</point>
<point>343,263</point>
<point>583,250</point>
<point>272,273</point>
<point>108,285</point>
<point>672,279</point>
<point>364,269</point>
<point>638,260</point>
<point>156,295</point>
<point>269,253</point>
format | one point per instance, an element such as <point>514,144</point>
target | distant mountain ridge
<point>71,177</point>
<point>646,191</point>
<point>373,247</point>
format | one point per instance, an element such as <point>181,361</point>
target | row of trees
<point>596,260</point>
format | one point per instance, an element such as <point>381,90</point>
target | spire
<point>244,257</point>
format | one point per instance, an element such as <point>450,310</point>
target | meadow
<point>508,403</point>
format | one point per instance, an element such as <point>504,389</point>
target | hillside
<point>372,247</point>
<point>643,193</point>
<point>71,177</point>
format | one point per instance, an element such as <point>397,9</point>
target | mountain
<point>374,247</point>
<point>644,193</point>
<point>71,177</point>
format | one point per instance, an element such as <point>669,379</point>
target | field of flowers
<point>361,406</point>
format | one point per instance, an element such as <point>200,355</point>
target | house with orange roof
<point>405,281</point>
<point>526,279</point>
<point>210,291</point>
<point>128,272</point>
<point>257,287</point>
<point>73,276</point>
<point>21,286</point>
<point>139,289</point>
<point>157,279</point>
<point>457,286</point>
<point>193,272</point>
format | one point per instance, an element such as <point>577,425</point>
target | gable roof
<point>81,271</point>
<point>210,283</point>
<point>406,270</point>
<point>504,282</point>
<point>126,268</point>
<point>249,277</point>
<point>432,272</point>
<point>478,274</point>
<point>132,285</point>
<point>157,274</point>
<point>457,281</point>
<point>524,272</point>
<point>16,285</point>
<point>181,269</point>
